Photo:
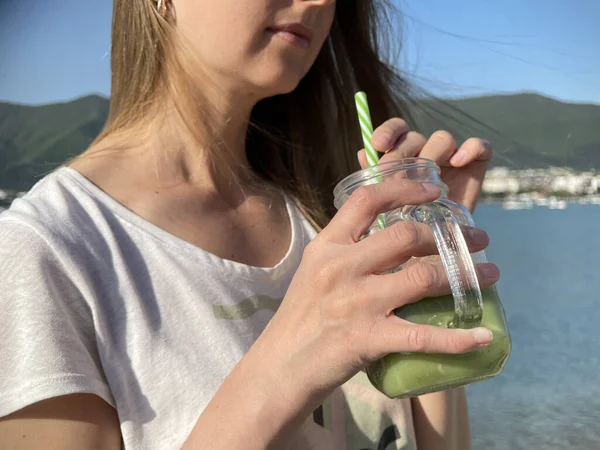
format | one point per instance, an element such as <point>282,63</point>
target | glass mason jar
<point>402,375</point>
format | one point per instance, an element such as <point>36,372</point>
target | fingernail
<point>478,236</point>
<point>458,158</point>
<point>488,270</point>
<point>430,187</point>
<point>482,336</point>
<point>382,141</point>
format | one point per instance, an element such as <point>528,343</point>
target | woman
<point>156,292</point>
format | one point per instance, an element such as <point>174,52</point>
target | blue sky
<point>53,50</point>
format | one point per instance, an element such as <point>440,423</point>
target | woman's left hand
<point>463,168</point>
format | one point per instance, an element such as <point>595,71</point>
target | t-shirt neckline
<point>291,257</point>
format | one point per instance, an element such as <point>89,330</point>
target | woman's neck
<point>198,146</point>
<point>205,144</point>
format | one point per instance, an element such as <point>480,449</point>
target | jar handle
<point>453,250</point>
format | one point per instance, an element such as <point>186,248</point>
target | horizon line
<point>426,95</point>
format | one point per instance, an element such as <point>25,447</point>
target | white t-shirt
<point>95,299</point>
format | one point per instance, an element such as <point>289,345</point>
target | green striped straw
<point>366,128</point>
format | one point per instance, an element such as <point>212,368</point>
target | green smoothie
<point>401,375</point>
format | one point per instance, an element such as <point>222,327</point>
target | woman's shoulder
<point>52,218</point>
<point>50,206</point>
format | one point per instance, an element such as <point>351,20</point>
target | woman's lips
<point>295,34</point>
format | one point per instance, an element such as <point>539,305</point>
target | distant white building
<point>498,172</point>
<point>500,184</point>
<point>576,184</point>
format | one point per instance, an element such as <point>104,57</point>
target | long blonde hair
<point>303,142</point>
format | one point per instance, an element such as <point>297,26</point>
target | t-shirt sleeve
<point>47,338</point>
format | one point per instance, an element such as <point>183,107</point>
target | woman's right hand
<point>337,317</point>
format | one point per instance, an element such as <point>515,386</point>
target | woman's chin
<point>279,88</point>
<point>278,83</point>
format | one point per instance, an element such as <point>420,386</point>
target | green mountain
<point>527,131</point>
<point>35,139</point>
